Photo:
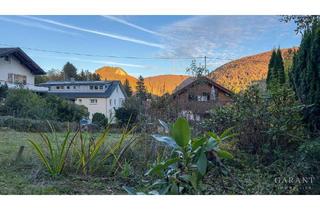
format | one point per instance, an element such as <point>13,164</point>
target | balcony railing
<point>26,86</point>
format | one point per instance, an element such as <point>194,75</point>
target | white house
<point>17,69</point>
<point>98,96</point>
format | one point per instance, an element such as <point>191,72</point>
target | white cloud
<point>103,62</point>
<point>34,25</point>
<point>224,37</point>
<point>122,21</point>
<point>100,33</point>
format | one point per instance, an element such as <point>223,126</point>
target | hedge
<point>29,125</point>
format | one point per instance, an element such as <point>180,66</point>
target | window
<point>10,78</point>
<point>101,87</point>
<point>93,101</point>
<point>68,87</point>
<point>110,102</point>
<point>192,97</point>
<point>74,87</point>
<point>96,87</point>
<point>57,87</point>
<point>17,79</point>
<point>114,102</point>
<point>80,100</point>
<point>62,87</point>
<point>91,87</point>
<point>117,90</point>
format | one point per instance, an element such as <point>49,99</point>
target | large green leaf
<point>181,132</point>
<point>130,190</point>
<point>165,139</point>
<point>157,169</point>
<point>197,143</point>
<point>202,163</point>
<point>224,154</point>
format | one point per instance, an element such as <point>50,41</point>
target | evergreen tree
<point>127,88</point>
<point>69,71</point>
<point>276,75</point>
<point>271,73</point>
<point>141,89</point>
<point>95,77</point>
<point>280,68</point>
<point>305,75</point>
<point>82,76</point>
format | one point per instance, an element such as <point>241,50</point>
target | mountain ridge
<point>238,74</point>
<point>235,75</point>
<point>156,85</point>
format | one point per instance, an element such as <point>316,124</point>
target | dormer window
<point>68,87</point>
<point>96,87</point>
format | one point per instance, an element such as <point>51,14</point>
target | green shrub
<point>3,91</point>
<point>126,115</point>
<point>183,172</point>
<point>29,125</point>
<point>23,103</point>
<point>65,110</point>
<point>100,120</point>
<point>265,122</point>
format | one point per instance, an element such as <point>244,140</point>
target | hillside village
<point>242,128</point>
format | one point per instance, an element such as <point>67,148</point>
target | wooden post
<point>19,155</point>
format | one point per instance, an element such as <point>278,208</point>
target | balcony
<point>26,86</point>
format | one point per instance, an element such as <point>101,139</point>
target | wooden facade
<point>196,96</point>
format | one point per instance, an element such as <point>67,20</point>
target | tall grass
<point>86,154</point>
<point>94,153</point>
<point>53,154</point>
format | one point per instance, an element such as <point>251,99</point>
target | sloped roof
<point>111,86</point>
<point>55,83</point>
<point>23,58</point>
<point>191,80</point>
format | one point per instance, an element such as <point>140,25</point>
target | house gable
<point>23,58</point>
<point>200,95</point>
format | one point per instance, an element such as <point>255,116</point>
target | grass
<point>26,176</point>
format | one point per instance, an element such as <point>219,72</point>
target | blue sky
<point>179,38</point>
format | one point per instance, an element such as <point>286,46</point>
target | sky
<point>143,45</point>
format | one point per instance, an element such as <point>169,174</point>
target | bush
<point>3,91</point>
<point>65,110</point>
<point>184,171</point>
<point>265,122</point>
<point>126,115</point>
<point>29,125</point>
<point>22,103</point>
<point>100,120</point>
